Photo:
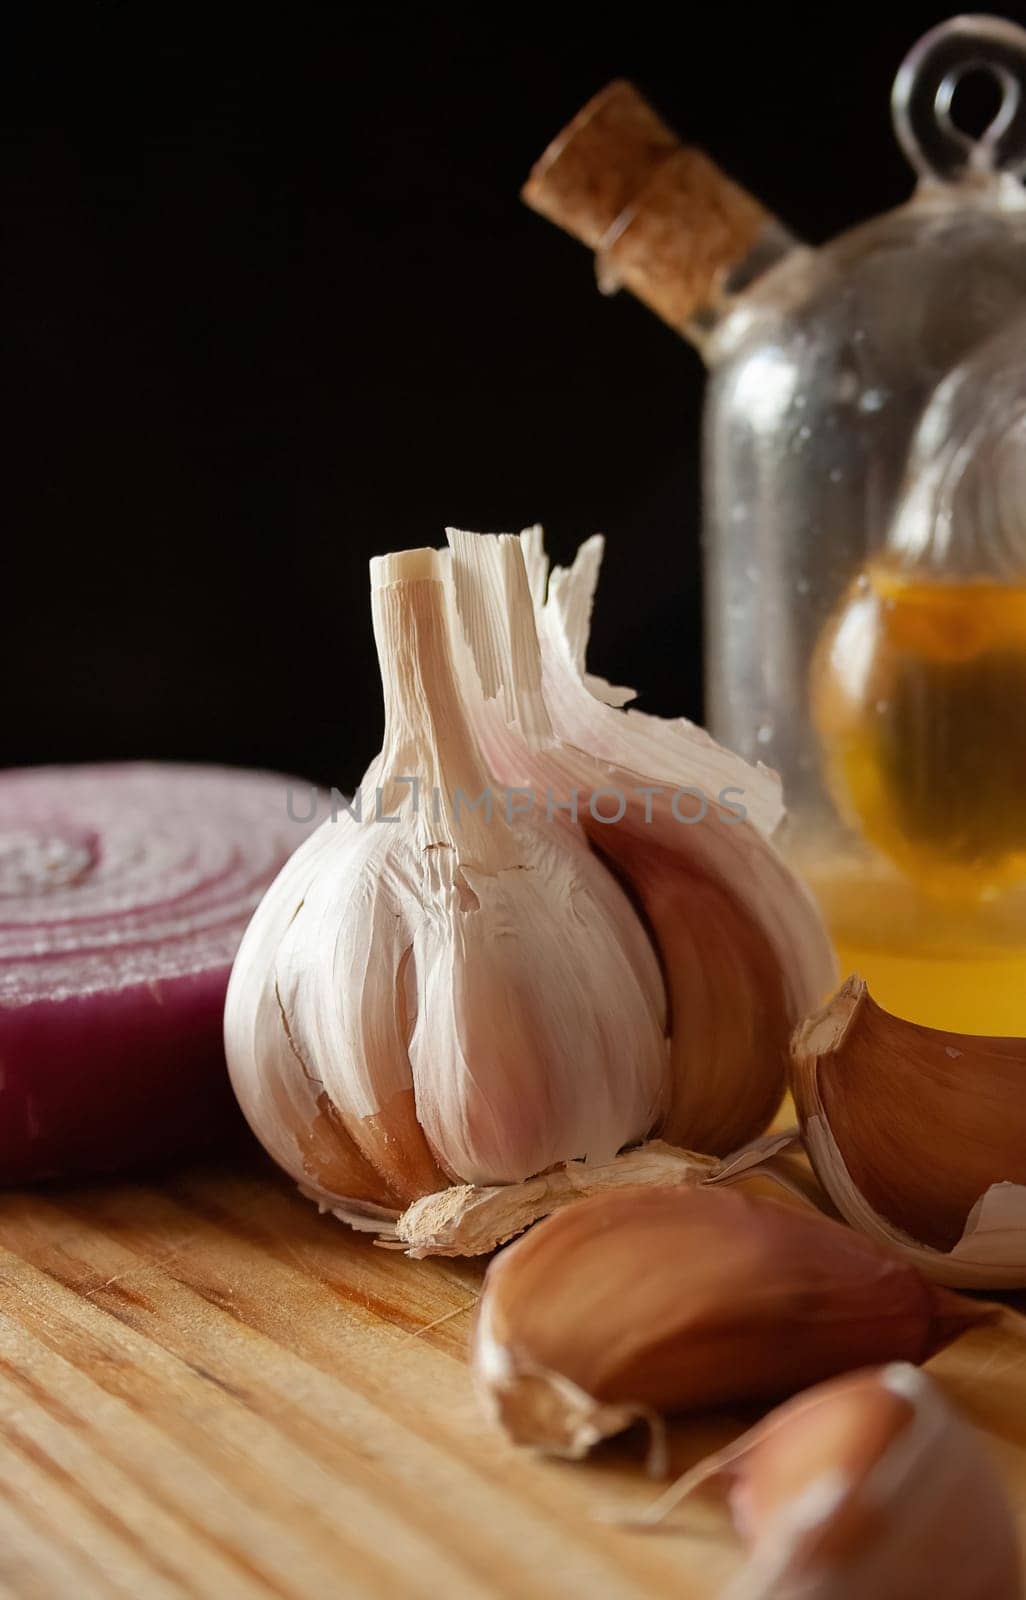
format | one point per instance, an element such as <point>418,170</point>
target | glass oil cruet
<point>864,508</point>
<point>918,698</point>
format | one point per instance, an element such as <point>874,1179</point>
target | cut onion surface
<point>124,893</point>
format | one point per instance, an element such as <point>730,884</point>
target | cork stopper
<point>663,220</point>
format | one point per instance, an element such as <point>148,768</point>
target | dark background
<point>271,305</point>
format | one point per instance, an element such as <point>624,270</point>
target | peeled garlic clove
<point>646,1301</point>
<point>918,1136</point>
<point>741,944</point>
<point>869,1485</point>
<point>454,994</point>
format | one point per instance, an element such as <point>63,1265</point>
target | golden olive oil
<point>919,699</point>
<point>947,964</point>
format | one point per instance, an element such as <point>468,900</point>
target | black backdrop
<point>271,305</point>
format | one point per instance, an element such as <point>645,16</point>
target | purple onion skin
<point>124,894</point>
<point>98,1083</point>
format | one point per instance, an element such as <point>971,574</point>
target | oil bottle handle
<point>924,88</point>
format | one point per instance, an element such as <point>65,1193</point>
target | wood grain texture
<point>207,1390</point>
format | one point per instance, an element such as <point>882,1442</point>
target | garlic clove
<point>800,1469</point>
<point>457,994</point>
<point>350,1037</point>
<point>543,1044</point>
<point>742,948</point>
<point>283,1101</point>
<point>731,1013</point>
<point>918,1136</point>
<point>869,1484</point>
<point>645,1301</point>
<point>742,941</point>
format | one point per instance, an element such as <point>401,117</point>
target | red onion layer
<point>124,893</point>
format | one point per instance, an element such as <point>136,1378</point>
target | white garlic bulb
<point>452,986</point>
<point>450,995</point>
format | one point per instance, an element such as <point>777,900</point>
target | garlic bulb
<point>869,1485</point>
<point>457,989</point>
<point>918,1136</point>
<point>449,993</point>
<point>639,1302</point>
<point>741,943</point>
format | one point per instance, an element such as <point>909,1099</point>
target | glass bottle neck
<point>715,327</point>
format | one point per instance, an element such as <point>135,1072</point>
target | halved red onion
<point>124,892</point>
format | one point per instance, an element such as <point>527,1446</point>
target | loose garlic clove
<point>869,1485</point>
<point>741,944</point>
<point>451,995</point>
<point>918,1136</point>
<point>646,1301</point>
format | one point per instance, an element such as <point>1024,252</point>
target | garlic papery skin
<point>466,1221</point>
<point>870,1485</point>
<point>742,947</point>
<point>918,1136</point>
<point>436,991</point>
<point>647,1301</point>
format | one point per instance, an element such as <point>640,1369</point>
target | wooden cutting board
<point>206,1389</point>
